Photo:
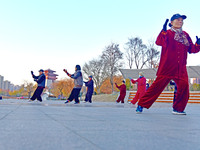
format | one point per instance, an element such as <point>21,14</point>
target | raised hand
<point>165,25</point>
<point>65,70</point>
<point>198,40</point>
<point>32,72</point>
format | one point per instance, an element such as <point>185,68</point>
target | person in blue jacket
<point>90,90</point>
<point>41,85</point>
<point>78,83</point>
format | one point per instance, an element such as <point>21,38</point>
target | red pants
<point>121,98</point>
<point>138,95</point>
<point>159,85</point>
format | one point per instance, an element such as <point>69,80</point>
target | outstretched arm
<point>76,76</point>
<point>67,72</point>
<point>134,81</point>
<point>34,77</point>
<point>161,39</point>
<point>117,86</point>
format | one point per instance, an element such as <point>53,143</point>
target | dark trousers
<point>37,93</point>
<point>88,97</point>
<point>74,95</point>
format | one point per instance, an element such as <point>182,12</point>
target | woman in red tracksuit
<point>175,45</point>
<point>141,87</point>
<point>122,89</point>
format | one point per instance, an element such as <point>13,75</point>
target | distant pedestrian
<point>90,90</point>
<point>78,83</point>
<point>141,87</point>
<point>122,94</point>
<point>175,89</point>
<point>41,85</point>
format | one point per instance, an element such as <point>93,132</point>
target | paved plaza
<point>52,125</point>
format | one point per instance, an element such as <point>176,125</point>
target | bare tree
<point>97,69</point>
<point>28,88</point>
<point>111,57</point>
<point>136,52</point>
<point>153,55</point>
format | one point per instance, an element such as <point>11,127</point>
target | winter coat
<point>40,80</point>
<point>78,79</point>
<point>174,55</point>
<point>141,84</point>
<point>90,86</point>
<point>122,89</point>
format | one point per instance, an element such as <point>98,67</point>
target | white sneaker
<point>178,113</point>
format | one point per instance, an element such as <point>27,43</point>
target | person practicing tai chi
<point>78,83</point>
<point>141,87</point>
<point>41,85</point>
<point>122,94</point>
<point>90,90</point>
<point>175,44</point>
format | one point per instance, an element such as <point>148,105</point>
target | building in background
<point>196,80</point>
<point>1,82</point>
<point>50,77</point>
<point>6,85</point>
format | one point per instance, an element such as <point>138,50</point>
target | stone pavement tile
<point>52,125</point>
<point>148,140</point>
<point>43,140</point>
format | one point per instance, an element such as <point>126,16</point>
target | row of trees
<point>104,68</point>
<point>26,89</point>
<point>107,65</point>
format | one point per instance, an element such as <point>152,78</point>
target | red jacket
<point>174,55</point>
<point>122,88</point>
<point>141,84</point>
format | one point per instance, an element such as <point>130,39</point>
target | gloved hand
<point>32,72</point>
<point>165,25</point>
<point>198,40</point>
<point>65,70</point>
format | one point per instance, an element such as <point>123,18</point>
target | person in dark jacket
<point>90,90</point>
<point>122,94</point>
<point>78,83</point>
<point>41,85</point>
<point>175,89</point>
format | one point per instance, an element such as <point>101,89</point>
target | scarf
<point>180,36</point>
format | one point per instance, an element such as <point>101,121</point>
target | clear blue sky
<point>59,34</point>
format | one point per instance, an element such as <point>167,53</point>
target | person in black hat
<point>90,90</point>
<point>78,83</point>
<point>176,44</point>
<point>41,85</point>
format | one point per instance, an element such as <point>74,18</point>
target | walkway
<point>52,125</point>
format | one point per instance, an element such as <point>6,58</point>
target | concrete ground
<point>52,125</point>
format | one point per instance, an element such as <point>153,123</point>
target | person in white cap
<point>141,87</point>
